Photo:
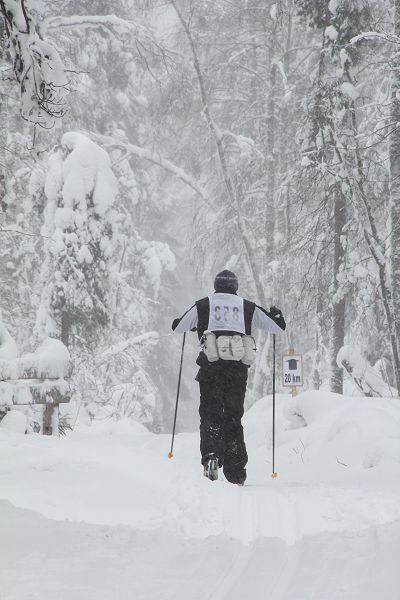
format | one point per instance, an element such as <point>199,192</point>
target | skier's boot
<point>237,476</point>
<point>211,467</point>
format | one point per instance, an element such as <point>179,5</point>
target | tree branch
<point>132,149</point>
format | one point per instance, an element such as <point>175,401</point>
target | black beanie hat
<point>226,281</point>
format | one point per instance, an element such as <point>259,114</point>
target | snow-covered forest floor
<point>102,513</point>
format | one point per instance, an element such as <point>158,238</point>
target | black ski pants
<point>222,390</point>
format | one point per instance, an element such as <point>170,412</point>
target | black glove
<point>277,316</point>
<point>275,311</point>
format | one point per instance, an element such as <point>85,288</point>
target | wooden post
<point>26,382</point>
<point>50,419</point>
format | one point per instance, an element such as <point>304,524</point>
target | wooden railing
<point>38,378</point>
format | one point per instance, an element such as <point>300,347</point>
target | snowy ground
<point>104,514</point>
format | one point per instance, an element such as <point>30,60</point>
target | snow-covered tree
<point>36,63</point>
<point>331,160</point>
<point>79,224</point>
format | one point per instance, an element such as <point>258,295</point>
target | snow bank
<point>355,432</point>
<point>110,427</point>
<point>14,421</point>
<point>338,470</point>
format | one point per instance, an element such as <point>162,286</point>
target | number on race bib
<point>226,313</point>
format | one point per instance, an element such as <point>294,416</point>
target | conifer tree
<point>79,223</point>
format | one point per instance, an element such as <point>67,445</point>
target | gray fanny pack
<point>229,347</point>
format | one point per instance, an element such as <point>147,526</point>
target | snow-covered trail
<point>104,514</point>
<point>47,559</point>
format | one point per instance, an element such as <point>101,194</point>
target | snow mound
<point>355,432</point>
<point>14,421</point>
<point>109,427</point>
<point>383,451</point>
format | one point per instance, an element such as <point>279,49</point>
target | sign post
<point>292,371</point>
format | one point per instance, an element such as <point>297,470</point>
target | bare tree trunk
<point>283,217</point>
<point>394,154</point>
<point>65,327</point>
<point>338,303</point>
<point>271,167</point>
<point>316,378</point>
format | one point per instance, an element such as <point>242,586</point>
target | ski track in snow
<point>46,559</point>
<point>104,514</point>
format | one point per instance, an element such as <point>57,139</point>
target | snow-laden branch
<point>377,35</point>
<point>142,36</point>
<point>367,378</point>
<point>169,166</point>
<point>111,22</point>
<point>37,65</point>
<point>145,338</point>
<point>132,149</point>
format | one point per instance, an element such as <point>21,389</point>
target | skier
<point>224,322</point>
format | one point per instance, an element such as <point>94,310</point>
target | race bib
<point>226,313</point>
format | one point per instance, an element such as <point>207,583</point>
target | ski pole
<point>170,454</point>
<point>274,473</point>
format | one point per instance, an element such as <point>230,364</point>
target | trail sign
<point>292,370</point>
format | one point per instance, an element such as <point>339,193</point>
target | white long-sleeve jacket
<point>228,314</point>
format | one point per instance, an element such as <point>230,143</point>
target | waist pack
<point>229,347</point>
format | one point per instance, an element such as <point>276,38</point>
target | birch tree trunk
<point>394,153</point>
<point>338,303</point>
